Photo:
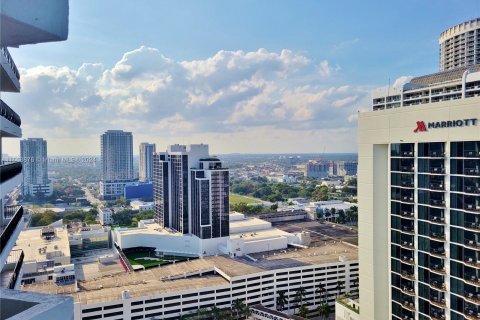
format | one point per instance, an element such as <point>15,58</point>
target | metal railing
<point>16,270</point>
<point>7,55</point>
<point>9,114</point>
<point>10,228</point>
<point>9,170</point>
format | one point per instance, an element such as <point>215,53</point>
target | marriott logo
<point>422,127</point>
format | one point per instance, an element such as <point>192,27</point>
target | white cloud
<point>152,95</point>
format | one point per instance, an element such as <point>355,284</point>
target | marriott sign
<point>422,127</point>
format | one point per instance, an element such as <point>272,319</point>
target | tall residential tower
<point>191,191</point>
<point>419,196</point>
<point>117,163</point>
<point>33,152</point>
<point>146,161</point>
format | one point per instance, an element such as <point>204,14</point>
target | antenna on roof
<point>388,90</point>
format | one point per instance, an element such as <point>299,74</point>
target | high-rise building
<point>33,152</point>
<point>146,161</point>
<point>419,199</point>
<point>459,45</point>
<point>346,168</point>
<point>316,169</point>
<point>22,22</point>
<point>190,191</point>
<point>117,163</point>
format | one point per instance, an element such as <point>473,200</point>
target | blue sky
<point>197,74</point>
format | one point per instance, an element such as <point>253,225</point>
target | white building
<point>117,163</point>
<point>146,161</point>
<point>33,152</point>
<point>458,45</point>
<point>247,235</point>
<point>105,216</point>
<point>347,309</point>
<point>419,199</point>
<point>22,22</point>
<point>182,288</point>
<point>140,206</point>
<point>44,248</point>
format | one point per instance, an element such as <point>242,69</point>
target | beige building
<point>419,199</point>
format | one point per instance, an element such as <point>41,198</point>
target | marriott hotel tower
<point>419,191</point>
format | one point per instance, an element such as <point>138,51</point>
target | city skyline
<point>210,80</point>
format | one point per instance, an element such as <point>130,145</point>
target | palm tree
<point>324,310</point>
<point>281,300</point>
<point>216,313</point>
<point>238,307</point>
<point>303,311</point>
<point>321,291</point>
<point>339,287</point>
<point>246,312</point>
<point>300,294</point>
<point>201,312</point>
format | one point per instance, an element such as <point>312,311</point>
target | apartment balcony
<point>472,244</point>
<point>437,202</point>
<point>471,154</point>
<point>437,170</point>
<point>471,171</point>
<point>437,235</point>
<point>471,206</point>
<point>407,245</point>
<point>471,279</point>
<point>439,285</point>
<point>437,315</point>
<point>440,251</point>
<point>11,273</point>
<point>9,121</point>
<point>471,313</point>
<point>408,229</point>
<point>438,268</point>
<point>9,170</point>
<point>436,186</point>
<point>471,189</point>
<point>408,260</point>
<point>10,232</point>
<point>408,275</point>
<point>473,297</point>
<point>471,261</point>
<point>408,290</point>
<point>407,168</point>
<point>408,215</point>
<point>436,154</point>
<point>409,304</point>
<point>10,77</point>
<point>436,219</point>
<point>474,226</point>
<point>44,21</point>
<point>438,301</point>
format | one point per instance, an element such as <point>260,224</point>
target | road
<point>91,198</point>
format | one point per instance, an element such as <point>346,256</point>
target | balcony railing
<point>437,170</point>
<point>9,170</point>
<point>471,154</point>
<point>437,219</point>
<point>9,114</point>
<point>437,202</point>
<point>10,228</point>
<point>16,270</point>
<point>7,55</point>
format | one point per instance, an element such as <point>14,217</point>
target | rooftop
<point>444,76</point>
<point>192,275</point>
<point>38,248</point>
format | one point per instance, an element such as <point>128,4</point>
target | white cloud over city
<point>230,98</point>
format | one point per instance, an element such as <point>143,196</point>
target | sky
<point>243,76</point>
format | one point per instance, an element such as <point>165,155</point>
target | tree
<point>339,287</point>
<point>322,292</point>
<point>238,307</point>
<point>300,294</point>
<point>281,300</point>
<point>324,310</point>
<point>303,311</point>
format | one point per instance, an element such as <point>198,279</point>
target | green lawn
<point>135,258</point>
<point>236,199</point>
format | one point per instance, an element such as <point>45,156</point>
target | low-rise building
<point>44,248</point>
<point>105,216</point>
<point>170,291</point>
<point>347,309</point>
<point>140,206</point>
<point>86,238</point>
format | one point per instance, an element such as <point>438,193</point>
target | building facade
<point>191,192</point>
<point>146,161</point>
<point>117,163</point>
<point>21,23</point>
<point>33,152</point>
<point>459,45</point>
<point>419,199</point>
<point>317,169</point>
